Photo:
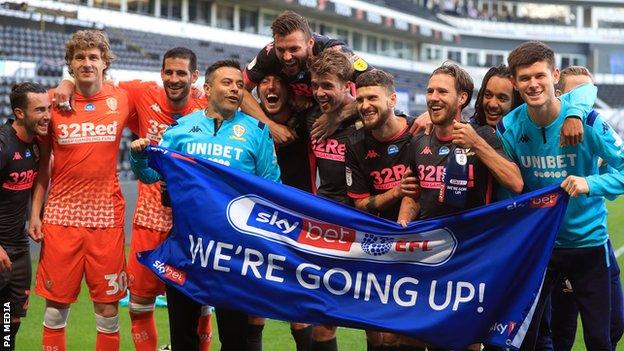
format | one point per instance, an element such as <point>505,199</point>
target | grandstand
<point>406,37</point>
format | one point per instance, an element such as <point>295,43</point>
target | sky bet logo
<point>253,215</point>
<point>308,232</point>
<point>173,274</point>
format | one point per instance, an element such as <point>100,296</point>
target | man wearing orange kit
<point>157,108</point>
<point>82,229</point>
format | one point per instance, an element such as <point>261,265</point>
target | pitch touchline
<point>619,251</point>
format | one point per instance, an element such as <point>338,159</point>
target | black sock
<point>328,345</point>
<point>254,337</point>
<point>303,337</point>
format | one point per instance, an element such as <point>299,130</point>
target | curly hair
<point>89,39</point>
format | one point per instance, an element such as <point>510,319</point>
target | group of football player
<point>325,122</point>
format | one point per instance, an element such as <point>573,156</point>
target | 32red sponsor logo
<point>327,236</point>
<point>387,178</point>
<point>548,200</point>
<point>331,146</point>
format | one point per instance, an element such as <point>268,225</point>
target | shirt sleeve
<point>491,138</point>
<point>4,156</point>
<point>506,139</point>
<point>357,186</point>
<point>266,161</point>
<point>581,100</point>
<point>606,143</point>
<point>261,65</point>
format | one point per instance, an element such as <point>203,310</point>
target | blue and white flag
<point>245,243</point>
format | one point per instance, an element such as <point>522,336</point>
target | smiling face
<point>177,78</point>
<point>273,94</point>
<point>535,83</point>
<point>293,51</point>
<point>225,90</point>
<point>87,66</point>
<point>375,104</point>
<point>444,102</point>
<point>35,117</point>
<point>497,99</point>
<point>329,92</point>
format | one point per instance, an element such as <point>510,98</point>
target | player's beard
<point>447,118</point>
<point>381,118</point>
<point>179,94</point>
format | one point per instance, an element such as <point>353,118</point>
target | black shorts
<point>15,285</point>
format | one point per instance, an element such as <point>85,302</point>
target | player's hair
<point>529,53</point>
<point>501,71</point>
<point>182,53</point>
<point>376,77</point>
<point>19,94</point>
<point>288,22</point>
<point>222,63</point>
<point>572,71</point>
<point>89,39</point>
<point>333,63</point>
<point>463,81</point>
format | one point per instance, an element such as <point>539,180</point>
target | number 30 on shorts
<point>116,282</point>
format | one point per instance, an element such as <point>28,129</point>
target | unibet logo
<point>86,132</point>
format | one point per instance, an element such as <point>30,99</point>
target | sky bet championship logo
<point>256,216</point>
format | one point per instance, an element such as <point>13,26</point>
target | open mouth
<point>272,98</point>
<point>436,108</point>
<point>369,113</point>
<point>233,99</point>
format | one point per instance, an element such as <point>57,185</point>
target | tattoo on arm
<point>371,206</point>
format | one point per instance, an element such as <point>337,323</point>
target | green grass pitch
<point>81,324</point>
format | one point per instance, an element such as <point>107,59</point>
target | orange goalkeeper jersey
<point>154,117</point>
<point>84,190</point>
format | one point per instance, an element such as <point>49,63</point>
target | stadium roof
<point>599,3</point>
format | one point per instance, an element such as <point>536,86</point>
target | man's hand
<point>409,185</point>
<point>574,186</point>
<point>139,145</point>
<point>322,128</point>
<point>63,94</point>
<point>34,228</point>
<point>464,135</point>
<point>422,123</point>
<point>282,134</point>
<point>571,132</point>
<point>5,261</point>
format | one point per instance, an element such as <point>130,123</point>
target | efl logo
<point>548,200</point>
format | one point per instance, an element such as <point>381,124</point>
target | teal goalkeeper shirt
<point>543,162</point>
<point>240,142</point>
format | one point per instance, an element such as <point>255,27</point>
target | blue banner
<point>269,250</point>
